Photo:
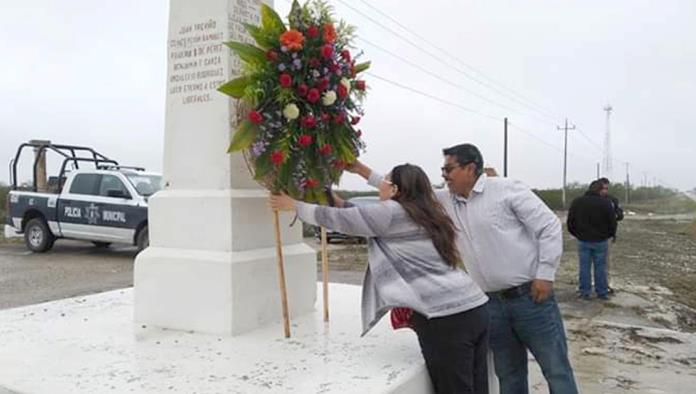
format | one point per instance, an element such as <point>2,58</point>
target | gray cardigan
<point>404,268</point>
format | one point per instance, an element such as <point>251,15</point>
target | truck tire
<point>101,245</point>
<point>37,236</point>
<point>142,240</point>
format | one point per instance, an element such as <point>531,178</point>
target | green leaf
<point>247,52</point>
<point>243,137</point>
<point>271,21</point>
<point>295,15</point>
<point>235,87</point>
<point>259,35</point>
<point>361,67</point>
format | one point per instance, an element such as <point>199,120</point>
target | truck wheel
<point>101,245</point>
<point>37,236</point>
<point>143,239</point>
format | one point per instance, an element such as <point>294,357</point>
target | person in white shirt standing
<point>511,244</point>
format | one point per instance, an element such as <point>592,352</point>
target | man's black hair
<point>465,154</point>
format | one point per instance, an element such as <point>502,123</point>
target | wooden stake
<point>281,275</point>
<point>325,271</point>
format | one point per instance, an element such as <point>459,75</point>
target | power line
<point>554,147</point>
<point>588,139</point>
<point>428,95</point>
<point>511,95</point>
<point>432,74</point>
<point>470,110</point>
<point>415,45</point>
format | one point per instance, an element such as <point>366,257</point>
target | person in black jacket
<point>604,192</point>
<point>592,220</point>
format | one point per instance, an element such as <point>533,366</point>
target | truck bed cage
<point>70,153</point>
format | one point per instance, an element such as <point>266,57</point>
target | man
<point>618,212</point>
<point>604,192</point>
<point>511,244</point>
<point>592,220</point>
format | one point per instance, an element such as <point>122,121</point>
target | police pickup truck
<point>103,203</point>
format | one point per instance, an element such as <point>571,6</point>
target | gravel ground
<point>70,269</point>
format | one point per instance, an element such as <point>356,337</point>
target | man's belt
<point>513,292</point>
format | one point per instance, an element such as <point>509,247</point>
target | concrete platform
<point>91,345</point>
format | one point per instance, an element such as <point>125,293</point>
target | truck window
<point>85,184</point>
<point>110,182</point>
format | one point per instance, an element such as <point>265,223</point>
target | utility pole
<point>597,171</point>
<point>607,145</point>
<point>565,158</point>
<point>628,183</point>
<point>505,150</point>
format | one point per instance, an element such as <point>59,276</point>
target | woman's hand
<point>281,202</point>
<point>357,167</point>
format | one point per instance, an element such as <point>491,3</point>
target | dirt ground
<point>654,256</point>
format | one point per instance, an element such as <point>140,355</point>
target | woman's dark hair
<point>415,194</point>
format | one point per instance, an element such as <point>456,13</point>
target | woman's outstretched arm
<point>369,220</point>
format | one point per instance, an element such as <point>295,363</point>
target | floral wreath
<point>301,100</point>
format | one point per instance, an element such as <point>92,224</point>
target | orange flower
<point>292,39</point>
<point>329,33</point>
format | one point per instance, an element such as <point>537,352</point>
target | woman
<point>414,263</point>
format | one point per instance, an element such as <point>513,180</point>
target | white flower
<point>291,111</point>
<point>346,84</point>
<point>329,98</point>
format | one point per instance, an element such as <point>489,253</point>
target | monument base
<point>91,345</point>
<point>210,292</point>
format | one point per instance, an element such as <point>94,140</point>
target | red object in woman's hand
<point>401,318</point>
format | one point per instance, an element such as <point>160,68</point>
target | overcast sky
<point>93,73</point>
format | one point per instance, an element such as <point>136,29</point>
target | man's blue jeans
<point>518,324</point>
<point>593,254</point>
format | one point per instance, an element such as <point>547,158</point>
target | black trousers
<point>455,349</point>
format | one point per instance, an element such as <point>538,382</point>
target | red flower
<point>285,80</point>
<point>302,90</point>
<point>308,122</point>
<point>272,55</point>
<point>354,120</point>
<point>325,117</point>
<point>333,67</point>
<point>345,54</point>
<point>314,62</point>
<point>311,183</point>
<point>326,149</point>
<point>339,118</point>
<point>342,91</point>
<point>329,33</point>
<point>358,133</point>
<point>277,157</point>
<point>360,85</point>
<point>312,32</point>
<point>327,51</point>
<point>313,95</point>
<point>304,140</point>
<point>255,117</point>
<point>323,84</point>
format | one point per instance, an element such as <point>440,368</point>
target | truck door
<point>76,212</point>
<point>118,209</point>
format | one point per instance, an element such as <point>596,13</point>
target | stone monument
<point>211,265</point>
